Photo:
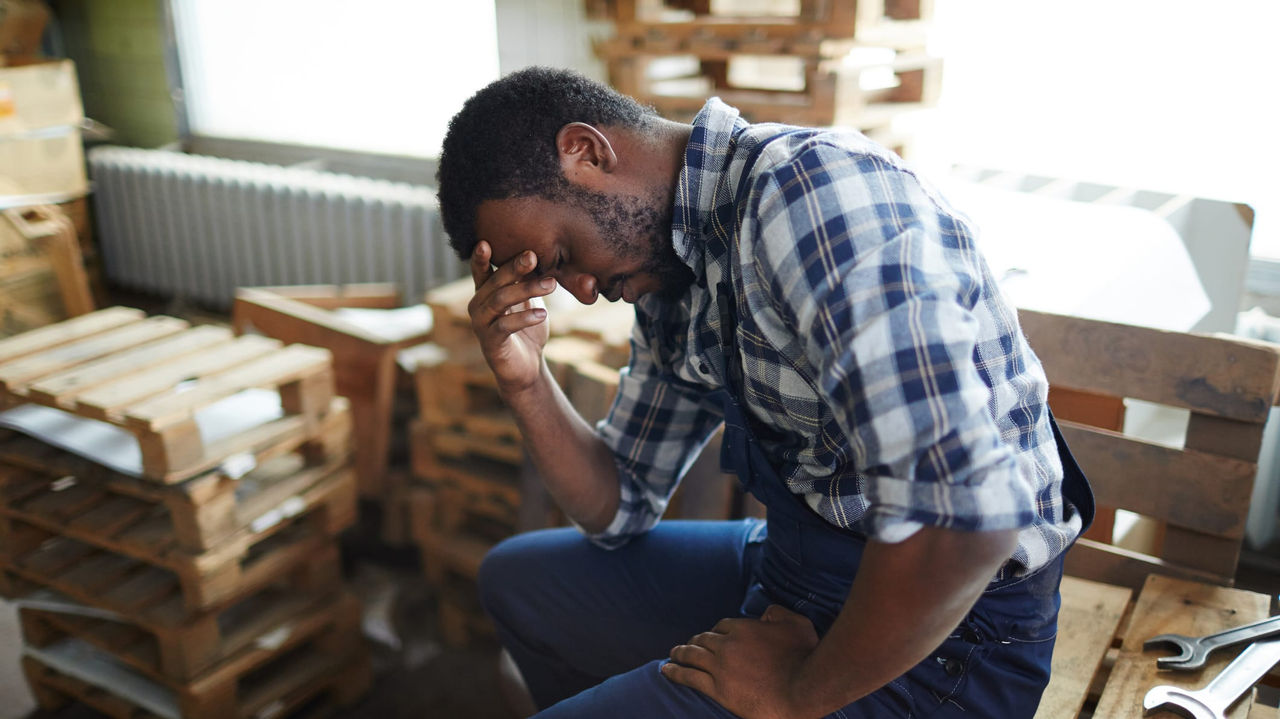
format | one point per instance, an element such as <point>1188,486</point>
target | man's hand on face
<point>510,325</point>
<point>748,666</point>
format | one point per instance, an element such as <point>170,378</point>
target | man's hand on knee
<point>747,665</point>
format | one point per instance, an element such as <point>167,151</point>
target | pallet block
<point>324,506</point>
<point>328,657</point>
<point>43,484</point>
<point>364,362</point>
<point>151,375</point>
<point>183,653</point>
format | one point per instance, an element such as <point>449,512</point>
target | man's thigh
<point>608,611</point>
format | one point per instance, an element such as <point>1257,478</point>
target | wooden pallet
<point>183,653</point>
<point>118,366</point>
<point>833,18</point>
<point>831,93</point>
<point>364,362</point>
<point>1099,667</point>
<point>113,541</point>
<point>45,485</point>
<point>154,596</point>
<point>328,657</point>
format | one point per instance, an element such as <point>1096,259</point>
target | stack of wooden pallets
<point>466,456</point>
<point>854,63</point>
<point>205,581</point>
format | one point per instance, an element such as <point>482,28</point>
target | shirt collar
<point>706,159</point>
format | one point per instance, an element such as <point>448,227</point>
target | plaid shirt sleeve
<point>881,285</point>
<point>657,427</point>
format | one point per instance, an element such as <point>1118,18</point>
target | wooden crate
<point>327,657</point>
<point>42,275</point>
<point>150,376</point>
<point>185,652</point>
<point>192,517</point>
<point>364,362</point>
<point>88,520</point>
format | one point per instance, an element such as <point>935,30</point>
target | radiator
<point>195,228</point>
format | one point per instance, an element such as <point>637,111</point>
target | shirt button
<point>953,667</point>
<point>703,368</point>
<point>971,635</point>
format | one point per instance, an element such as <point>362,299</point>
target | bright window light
<point>1168,95</point>
<point>379,76</point>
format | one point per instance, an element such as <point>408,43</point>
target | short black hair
<point>502,143</point>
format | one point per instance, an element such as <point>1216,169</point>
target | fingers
<point>692,655</point>
<point>690,677</point>
<point>499,291</point>
<point>480,268</point>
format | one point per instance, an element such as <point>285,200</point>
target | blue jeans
<point>589,628</point>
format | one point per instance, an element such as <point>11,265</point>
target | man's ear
<point>585,153</point>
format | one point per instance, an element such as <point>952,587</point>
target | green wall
<point>118,48</point>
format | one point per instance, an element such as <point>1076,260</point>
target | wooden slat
<point>13,375</point>
<point>1218,375</point>
<point>63,387</point>
<point>1171,606</point>
<point>1226,437</point>
<point>278,368</point>
<point>103,402</point>
<point>69,331</point>
<point>1113,565</point>
<point>1087,624</point>
<point>1188,488</point>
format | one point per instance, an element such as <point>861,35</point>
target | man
<point>807,290</point>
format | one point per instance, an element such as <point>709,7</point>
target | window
<point>379,76</point>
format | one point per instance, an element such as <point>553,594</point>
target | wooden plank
<point>1214,375</point>
<point>62,333</point>
<point>1087,623</point>
<point>1192,489</point>
<point>103,402</point>
<point>290,364</point>
<point>15,374</point>
<point>62,387</point>
<point>1168,605</point>
<point>1100,562</point>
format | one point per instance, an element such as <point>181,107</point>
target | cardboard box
<point>40,115</point>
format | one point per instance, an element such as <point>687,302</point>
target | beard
<point>637,229</point>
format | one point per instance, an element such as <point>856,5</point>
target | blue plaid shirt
<point>889,378</point>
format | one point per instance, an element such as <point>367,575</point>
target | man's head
<point>532,162</point>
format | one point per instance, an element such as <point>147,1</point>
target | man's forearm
<point>576,466</point>
<point>905,601</point>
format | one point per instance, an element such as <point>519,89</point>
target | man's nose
<point>582,286</point>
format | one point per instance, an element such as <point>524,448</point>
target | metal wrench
<point>1193,651</point>
<point>1212,701</point>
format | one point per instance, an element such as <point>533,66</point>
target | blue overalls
<point>589,628</point>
